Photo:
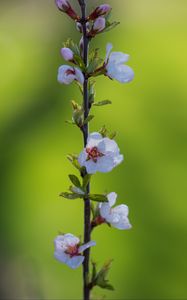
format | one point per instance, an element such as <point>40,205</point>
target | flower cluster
<point>101,152</point>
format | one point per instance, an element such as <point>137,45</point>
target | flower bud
<point>99,24</point>
<point>100,11</point>
<point>67,54</point>
<point>65,7</point>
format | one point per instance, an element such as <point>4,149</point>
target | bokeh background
<point>150,116</point>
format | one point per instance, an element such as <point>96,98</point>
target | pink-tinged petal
<point>112,198</point>
<point>75,261</point>
<point>118,58</point>
<point>108,51</point>
<point>104,210</point>
<point>63,75</point>
<point>86,246</point>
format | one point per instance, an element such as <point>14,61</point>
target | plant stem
<point>87,205</point>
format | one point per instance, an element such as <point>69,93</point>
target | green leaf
<point>78,116</point>
<point>79,61</point>
<point>70,196</point>
<point>75,180</point>
<point>70,122</point>
<point>88,119</point>
<point>98,198</point>
<point>94,271</point>
<point>111,26</point>
<point>77,190</point>
<point>103,102</point>
<point>86,180</point>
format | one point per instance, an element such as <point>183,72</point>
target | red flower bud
<point>101,10</point>
<point>64,5</point>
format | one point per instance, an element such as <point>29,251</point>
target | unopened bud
<point>101,10</point>
<point>67,54</point>
<point>65,6</point>
<point>99,24</point>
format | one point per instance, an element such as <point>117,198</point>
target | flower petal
<point>105,164</point>
<point>71,240</point>
<point>124,74</point>
<point>79,76</point>
<point>118,57</point>
<point>112,198</point>
<point>110,145</point>
<point>104,210</point>
<point>86,246</point>
<point>82,158</point>
<point>93,139</point>
<point>63,76</point>
<point>75,261</point>
<point>109,47</point>
<point>61,256</point>
<point>91,166</point>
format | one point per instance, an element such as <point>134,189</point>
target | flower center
<point>72,251</point>
<point>93,154</point>
<point>70,72</point>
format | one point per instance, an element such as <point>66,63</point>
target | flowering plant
<point>100,152</point>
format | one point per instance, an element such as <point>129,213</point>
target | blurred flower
<point>68,250</point>
<point>67,54</point>
<point>67,75</point>
<point>100,11</point>
<point>117,216</point>
<point>101,154</point>
<point>115,68</point>
<point>65,6</point>
<point>99,25</point>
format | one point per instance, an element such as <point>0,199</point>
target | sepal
<point>98,197</point>
<point>100,278</point>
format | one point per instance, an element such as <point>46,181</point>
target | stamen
<point>93,154</point>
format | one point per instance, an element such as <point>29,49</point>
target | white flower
<point>101,154</point>
<point>67,54</point>
<point>115,68</point>
<point>117,216</point>
<point>68,250</point>
<point>67,75</point>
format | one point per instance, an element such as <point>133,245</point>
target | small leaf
<point>111,26</point>
<point>112,135</point>
<point>98,197</point>
<point>88,119</point>
<point>75,180</point>
<point>70,122</point>
<point>101,278</point>
<point>86,180</point>
<point>77,190</point>
<point>103,102</point>
<point>70,196</point>
<point>94,271</point>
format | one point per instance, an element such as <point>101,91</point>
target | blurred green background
<point>150,117</point>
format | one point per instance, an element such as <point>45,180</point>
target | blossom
<point>67,75</point>
<point>67,54</point>
<point>115,68</point>
<point>100,10</point>
<point>68,250</point>
<point>100,154</point>
<point>99,25</point>
<point>117,216</point>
